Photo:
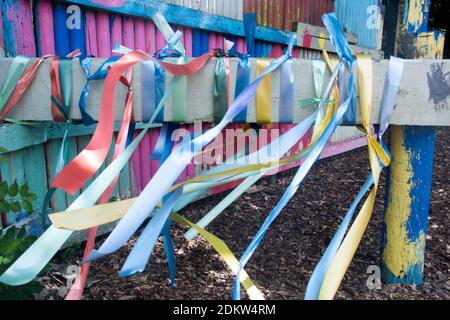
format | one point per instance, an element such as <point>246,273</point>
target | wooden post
<point>408,189</point>
<point>407,204</point>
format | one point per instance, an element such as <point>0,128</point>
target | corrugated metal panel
<point>280,14</point>
<point>363,18</point>
<point>231,8</point>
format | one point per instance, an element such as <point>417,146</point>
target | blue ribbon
<point>160,80</point>
<point>99,74</point>
<point>293,187</point>
<point>242,81</point>
<point>338,39</point>
<point>286,109</point>
<point>138,257</point>
<point>148,98</point>
<point>170,252</point>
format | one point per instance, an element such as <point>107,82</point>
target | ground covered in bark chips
<point>283,263</point>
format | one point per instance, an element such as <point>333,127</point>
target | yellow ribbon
<point>347,250</point>
<point>263,93</point>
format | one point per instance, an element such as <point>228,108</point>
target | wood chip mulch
<point>283,263</point>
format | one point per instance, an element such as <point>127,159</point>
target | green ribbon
<point>315,101</point>
<point>15,72</point>
<point>65,81</point>
<point>179,97</point>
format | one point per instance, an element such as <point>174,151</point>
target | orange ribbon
<point>76,291</point>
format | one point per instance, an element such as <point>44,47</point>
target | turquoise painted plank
<point>125,182</point>
<point>6,171</point>
<point>115,193</point>
<point>187,17</point>
<point>58,202</point>
<point>36,173</point>
<point>82,142</point>
<point>13,169</point>
<point>72,152</point>
<point>15,137</point>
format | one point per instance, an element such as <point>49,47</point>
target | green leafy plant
<point>12,245</point>
<point>15,198</point>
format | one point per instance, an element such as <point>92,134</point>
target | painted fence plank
<point>44,29</point>
<point>18,28</point>
<point>58,202</point>
<point>35,173</point>
<point>91,34</point>
<point>61,33</point>
<point>103,35</point>
<point>116,30</point>
<point>150,37</point>
<point>12,169</point>
<point>135,170</point>
<point>145,169</point>
<point>128,32</point>
<point>77,33</point>
<point>2,43</point>
<point>72,152</point>
<point>139,34</point>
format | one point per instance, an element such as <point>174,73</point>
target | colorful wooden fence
<point>41,30</point>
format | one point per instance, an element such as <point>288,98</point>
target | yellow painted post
<point>409,176</point>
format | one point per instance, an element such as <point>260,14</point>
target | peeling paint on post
<point>407,204</point>
<point>407,199</point>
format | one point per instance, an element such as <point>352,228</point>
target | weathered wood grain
<point>423,97</point>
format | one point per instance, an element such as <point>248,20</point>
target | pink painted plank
<point>116,31</point>
<point>144,160</point>
<point>160,41</point>
<point>136,170</point>
<point>188,41</point>
<point>139,34</point>
<point>191,166</point>
<point>20,16</point>
<point>240,45</point>
<point>150,37</point>
<point>277,51</point>
<point>212,40</point>
<point>46,32</point>
<point>128,32</point>
<point>219,40</point>
<point>91,34</point>
<point>179,139</point>
<point>103,35</point>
